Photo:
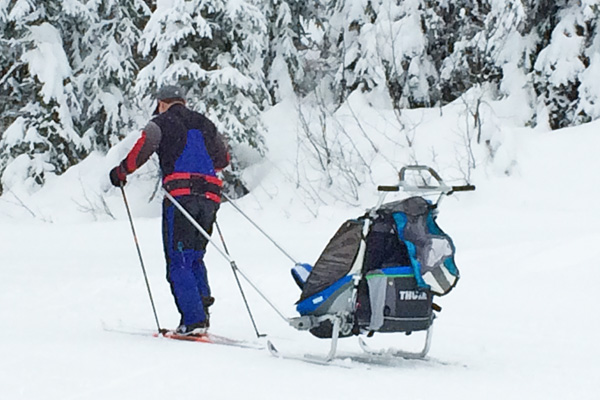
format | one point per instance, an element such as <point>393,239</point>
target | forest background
<point>76,77</point>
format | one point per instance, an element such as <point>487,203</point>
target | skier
<point>190,152</point>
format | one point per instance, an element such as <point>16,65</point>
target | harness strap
<point>190,183</point>
<point>192,175</point>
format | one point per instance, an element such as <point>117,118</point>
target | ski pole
<point>231,262</point>
<point>259,229</point>
<point>239,284</point>
<point>135,239</point>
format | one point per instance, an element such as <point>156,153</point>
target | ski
<point>208,338</point>
<point>205,338</point>
<point>398,353</point>
<point>306,358</point>
<point>367,359</point>
<point>390,355</point>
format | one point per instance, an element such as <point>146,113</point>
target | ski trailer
<point>380,272</point>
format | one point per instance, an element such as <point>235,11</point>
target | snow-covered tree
<point>288,63</point>
<point>464,46</point>
<point>352,36</point>
<point>106,73</point>
<point>563,64</point>
<point>421,51</point>
<point>75,73</point>
<point>589,90</point>
<point>215,49</point>
<point>67,72</point>
<point>42,137</point>
<point>410,72</point>
<point>15,83</point>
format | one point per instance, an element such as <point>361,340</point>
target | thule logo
<point>407,295</point>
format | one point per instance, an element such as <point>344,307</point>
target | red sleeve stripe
<point>130,161</point>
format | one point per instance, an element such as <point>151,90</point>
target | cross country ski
<point>207,337</point>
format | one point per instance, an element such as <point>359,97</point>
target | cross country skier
<point>190,151</point>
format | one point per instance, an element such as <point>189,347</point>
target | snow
<point>48,61</point>
<point>520,324</point>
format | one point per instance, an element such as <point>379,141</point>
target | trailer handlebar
<point>440,187</point>
<point>384,188</point>
<point>462,188</point>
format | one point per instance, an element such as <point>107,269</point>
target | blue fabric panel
<point>310,304</point>
<point>399,270</point>
<point>187,276</point>
<point>201,275</point>
<point>401,221</point>
<point>185,286</point>
<point>195,157</point>
<point>170,216</point>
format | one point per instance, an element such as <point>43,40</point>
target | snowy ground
<point>522,323</point>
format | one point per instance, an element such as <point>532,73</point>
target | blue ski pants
<point>184,248</point>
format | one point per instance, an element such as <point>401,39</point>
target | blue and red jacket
<point>190,152</point>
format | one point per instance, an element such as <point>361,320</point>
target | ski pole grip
<point>463,188</point>
<point>388,188</point>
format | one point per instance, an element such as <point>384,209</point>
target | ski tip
<point>272,349</point>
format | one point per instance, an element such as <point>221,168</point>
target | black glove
<point>117,177</point>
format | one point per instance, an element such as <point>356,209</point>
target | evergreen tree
<point>106,74</point>
<point>410,72</point>
<point>215,49</point>
<point>288,63</point>
<point>589,91</point>
<point>15,84</point>
<point>42,137</point>
<point>72,80</point>
<point>70,90</point>
<point>352,34</point>
<point>468,44</point>
<point>421,51</point>
<point>561,66</point>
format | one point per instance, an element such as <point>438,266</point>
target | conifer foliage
<point>76,76</point>
<point>565,72</point>
<point>106,70</point>
<point>288,64</point>
<point>42,137</point>
<point>215,50</point>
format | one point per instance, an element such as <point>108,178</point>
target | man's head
<point>168,95</point>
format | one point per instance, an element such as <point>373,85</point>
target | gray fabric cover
<point>336,259</point>
<point>377,292</point>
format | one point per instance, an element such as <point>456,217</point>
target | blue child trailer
<point>380,272</point>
